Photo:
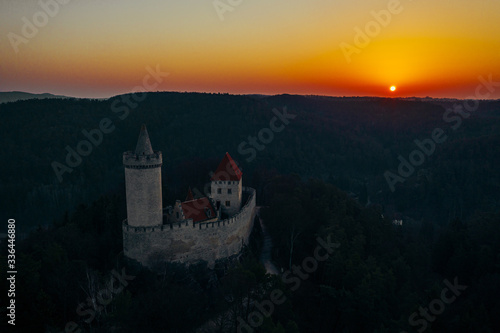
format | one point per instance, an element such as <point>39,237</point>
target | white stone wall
<point>143,190</point>
<point>234,197</point>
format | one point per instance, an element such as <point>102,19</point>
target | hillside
<point>350,142</point>
<point>14,96</point>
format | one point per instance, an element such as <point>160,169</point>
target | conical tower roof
<point>143,144</point>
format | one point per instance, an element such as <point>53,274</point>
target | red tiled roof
<point>227,170</point>
<point>197,209</point>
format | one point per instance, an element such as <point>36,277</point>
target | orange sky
<point>99,48</point>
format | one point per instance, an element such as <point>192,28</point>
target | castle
<point>207,228</point>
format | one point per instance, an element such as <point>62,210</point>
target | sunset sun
<point>393,88</point>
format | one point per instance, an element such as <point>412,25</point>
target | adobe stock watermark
<point>427,147</point>
<point>224,6</point>
<point>96,303</point>
<point>265,135</point>
<point>449,294</point>
<point>48,9</point>
<point>121,107</point>
<point>372,29</point>
<point>294,277</point>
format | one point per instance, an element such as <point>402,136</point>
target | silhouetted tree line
<point>346,141</point>
<point>382,273</point>
<point>375,281</point>
<point>379,276</point>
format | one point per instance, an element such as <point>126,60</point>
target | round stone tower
<point>143,183</point>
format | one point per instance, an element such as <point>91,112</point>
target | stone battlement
<point>133,161</point>
<point>189,242</point>
<point>249,205</point>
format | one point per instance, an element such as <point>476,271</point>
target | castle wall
<point>188,242</point>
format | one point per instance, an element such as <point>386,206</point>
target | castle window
<point>229,191</point>
<point>228,203</point>
<point>219,191</point>
<point>208,212</point>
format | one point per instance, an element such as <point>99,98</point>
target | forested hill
<point>13,96</point>
<point>350,142</point>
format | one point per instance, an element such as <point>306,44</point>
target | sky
<point>101,48</point>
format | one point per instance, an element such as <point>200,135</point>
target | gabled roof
<point>198,209</point>
<point>227,170</point>
<point>143,144</point>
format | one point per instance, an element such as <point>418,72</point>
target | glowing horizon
<point>101,48</point>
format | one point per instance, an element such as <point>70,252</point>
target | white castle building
<point>206,228</point>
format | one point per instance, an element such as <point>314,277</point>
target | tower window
<point>219,191</point>
<point>229,191</point>
<point>228,203</point>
